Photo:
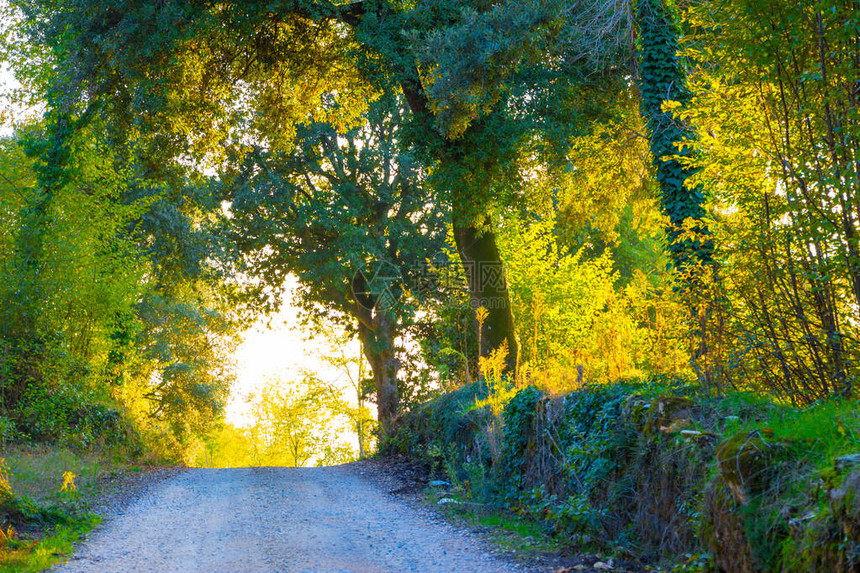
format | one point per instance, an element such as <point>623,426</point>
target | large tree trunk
<point>378,345</point>
<point>488,286</point>
<point>359,422</point>
<point>376,331</point>
<point>476,244</point>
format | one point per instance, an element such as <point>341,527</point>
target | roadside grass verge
<point>46,494</point>
<point>517,535</point>
<point>31,555</point>
<point>36,471</point>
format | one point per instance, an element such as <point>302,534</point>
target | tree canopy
<point>584,192</point>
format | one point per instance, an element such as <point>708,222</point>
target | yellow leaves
<point>610,170</point>
<point>6,536</point>
<point>669,106</point>
<point>5,486</point>
<point>68,483</point>
<point>690,230</point>
<point>481,315</point>
<point>493,367</point>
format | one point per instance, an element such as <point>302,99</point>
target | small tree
<point>298,422</point>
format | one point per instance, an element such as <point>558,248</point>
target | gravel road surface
<point>254,520</point>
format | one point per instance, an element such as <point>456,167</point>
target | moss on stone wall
<point>658,471</point>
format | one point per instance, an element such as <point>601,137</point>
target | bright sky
<point>277,347</point>
<point>11,113</point>
<point>7,83</point>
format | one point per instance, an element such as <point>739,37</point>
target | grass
<point>515,533</point>
<point>37,471</point>
<point>821,432</point>
<point>512,533</point>
<point>45,493</point>
<point>25,556</point>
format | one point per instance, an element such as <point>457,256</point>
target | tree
<point>298,422</point>
<point>350,214</point>
<point>663,82</point>
<point>226,447</point>
<point>777,105</point>
<point>353,368</point>
<point>199,78</point>
<point>67,275</point>
<point>126,295</point>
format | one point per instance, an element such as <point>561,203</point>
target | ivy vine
<point>661,79</point>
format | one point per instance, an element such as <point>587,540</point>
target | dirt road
<point>277,520</point>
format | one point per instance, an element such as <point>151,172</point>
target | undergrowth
<point>25,556</point>
<point>45,501</point>
<point>632,468</point>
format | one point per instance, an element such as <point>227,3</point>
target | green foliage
<point>573,309</point>
<point>608,197</point>
<point>36,472</point>
<point>519,416</point>
<point>293,424</point>
<point>71,416</point>
<point>119,256</point>
<point>354,369</point>
<point>446,332</point>
<point>661,80</point>
<point>350,214</point>
<point>177,381</point>
<point>450,418</point>
<point>818,434</point>
<point>777,118</point>
<point>610,465</point>
<point>796,507</point>
<point>8,431</point>
<point>555,316</point>
<point>594,441</point>
<point>472,54</point>
<point>40,522</point>
<point>479,117</point>
<point>352,139</point>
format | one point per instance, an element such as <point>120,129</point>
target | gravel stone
<point>254,520</point>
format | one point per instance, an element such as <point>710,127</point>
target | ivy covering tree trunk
<point>662,79</point>
<point>662,86</point>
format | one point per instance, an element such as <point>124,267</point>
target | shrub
<point>71,417</point>
<point>649,467</point>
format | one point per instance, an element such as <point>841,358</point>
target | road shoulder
<point>501,536</point>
